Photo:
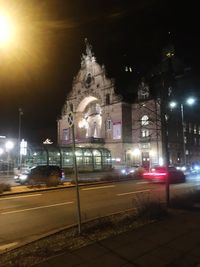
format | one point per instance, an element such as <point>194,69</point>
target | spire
<point>89,56</point>
<point>88,48</point>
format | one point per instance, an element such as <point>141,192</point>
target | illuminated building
<point>131,131</point>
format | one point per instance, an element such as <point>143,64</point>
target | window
<point>195,129</point>
<point>71,107</point>
<point>145,120</point>
<point>145,133</point>
<point>108,124</point>
<point>190,127</point>
<point>107,99</point>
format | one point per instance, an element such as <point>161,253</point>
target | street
<point>26,217</point>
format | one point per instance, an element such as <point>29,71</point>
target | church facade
<point>131,131</point>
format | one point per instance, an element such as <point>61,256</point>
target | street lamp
<point>189,101</point>
<point>19,137</point>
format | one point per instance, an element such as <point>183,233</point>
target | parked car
<point>45,174</point>
<point>160,174</point>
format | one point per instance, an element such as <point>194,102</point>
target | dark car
<point>160,174</point>
<point>45,174</point>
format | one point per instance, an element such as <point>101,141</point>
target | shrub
<point>110,176</point>
<point>185,201</point>
<point>53,180</point>
<point>100,224</point>
<point>4,187</point>
<point>148,209</point>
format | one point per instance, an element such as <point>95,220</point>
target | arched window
<point>145,120</point>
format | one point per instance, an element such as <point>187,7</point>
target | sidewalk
<point>174,242</point>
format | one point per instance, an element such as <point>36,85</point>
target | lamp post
<point>20,113</point>
<point>189,101</point>
<point>183,133</point>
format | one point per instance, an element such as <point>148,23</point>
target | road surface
<point>26,217</point>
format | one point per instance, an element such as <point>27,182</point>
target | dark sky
<point>37,72</point>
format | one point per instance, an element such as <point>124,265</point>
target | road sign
<point>70,119</point>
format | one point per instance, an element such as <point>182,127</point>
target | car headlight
<point>23,177</point>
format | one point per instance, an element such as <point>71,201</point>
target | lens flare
<point>7,29</point>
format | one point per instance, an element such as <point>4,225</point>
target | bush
<point>185,201</point>
<point>148,209</point>
<point>4,187</point>
<point>53,180</point>
<point>100,224</point>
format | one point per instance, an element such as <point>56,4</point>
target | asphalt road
<point>27,217</point>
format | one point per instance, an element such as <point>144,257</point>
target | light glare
<point>7,31</point>
<point>190,101</point>
<point>172,104</point>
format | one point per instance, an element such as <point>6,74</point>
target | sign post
<point>70,122</point>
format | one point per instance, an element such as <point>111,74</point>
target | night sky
<point>37,72</point>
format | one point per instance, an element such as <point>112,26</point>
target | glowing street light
<point>172,104</point>
<point>9,145</point>
<point>7,29</point>
<point>190,101</point>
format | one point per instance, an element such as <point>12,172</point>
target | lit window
<point>145,133</point>
<point>185,139</point>
<point>195,129</point>
<point>145,120</point>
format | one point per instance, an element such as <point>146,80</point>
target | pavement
<point>172,242</point>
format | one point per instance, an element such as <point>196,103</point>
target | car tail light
<point>154,174</point>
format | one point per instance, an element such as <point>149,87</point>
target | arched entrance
<point>89,118</point>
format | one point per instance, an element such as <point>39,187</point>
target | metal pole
<point>19,138</point>
<point>8,166</point>
<point>164,130</point>
<point>76,181</point>
<point>182,122</point>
